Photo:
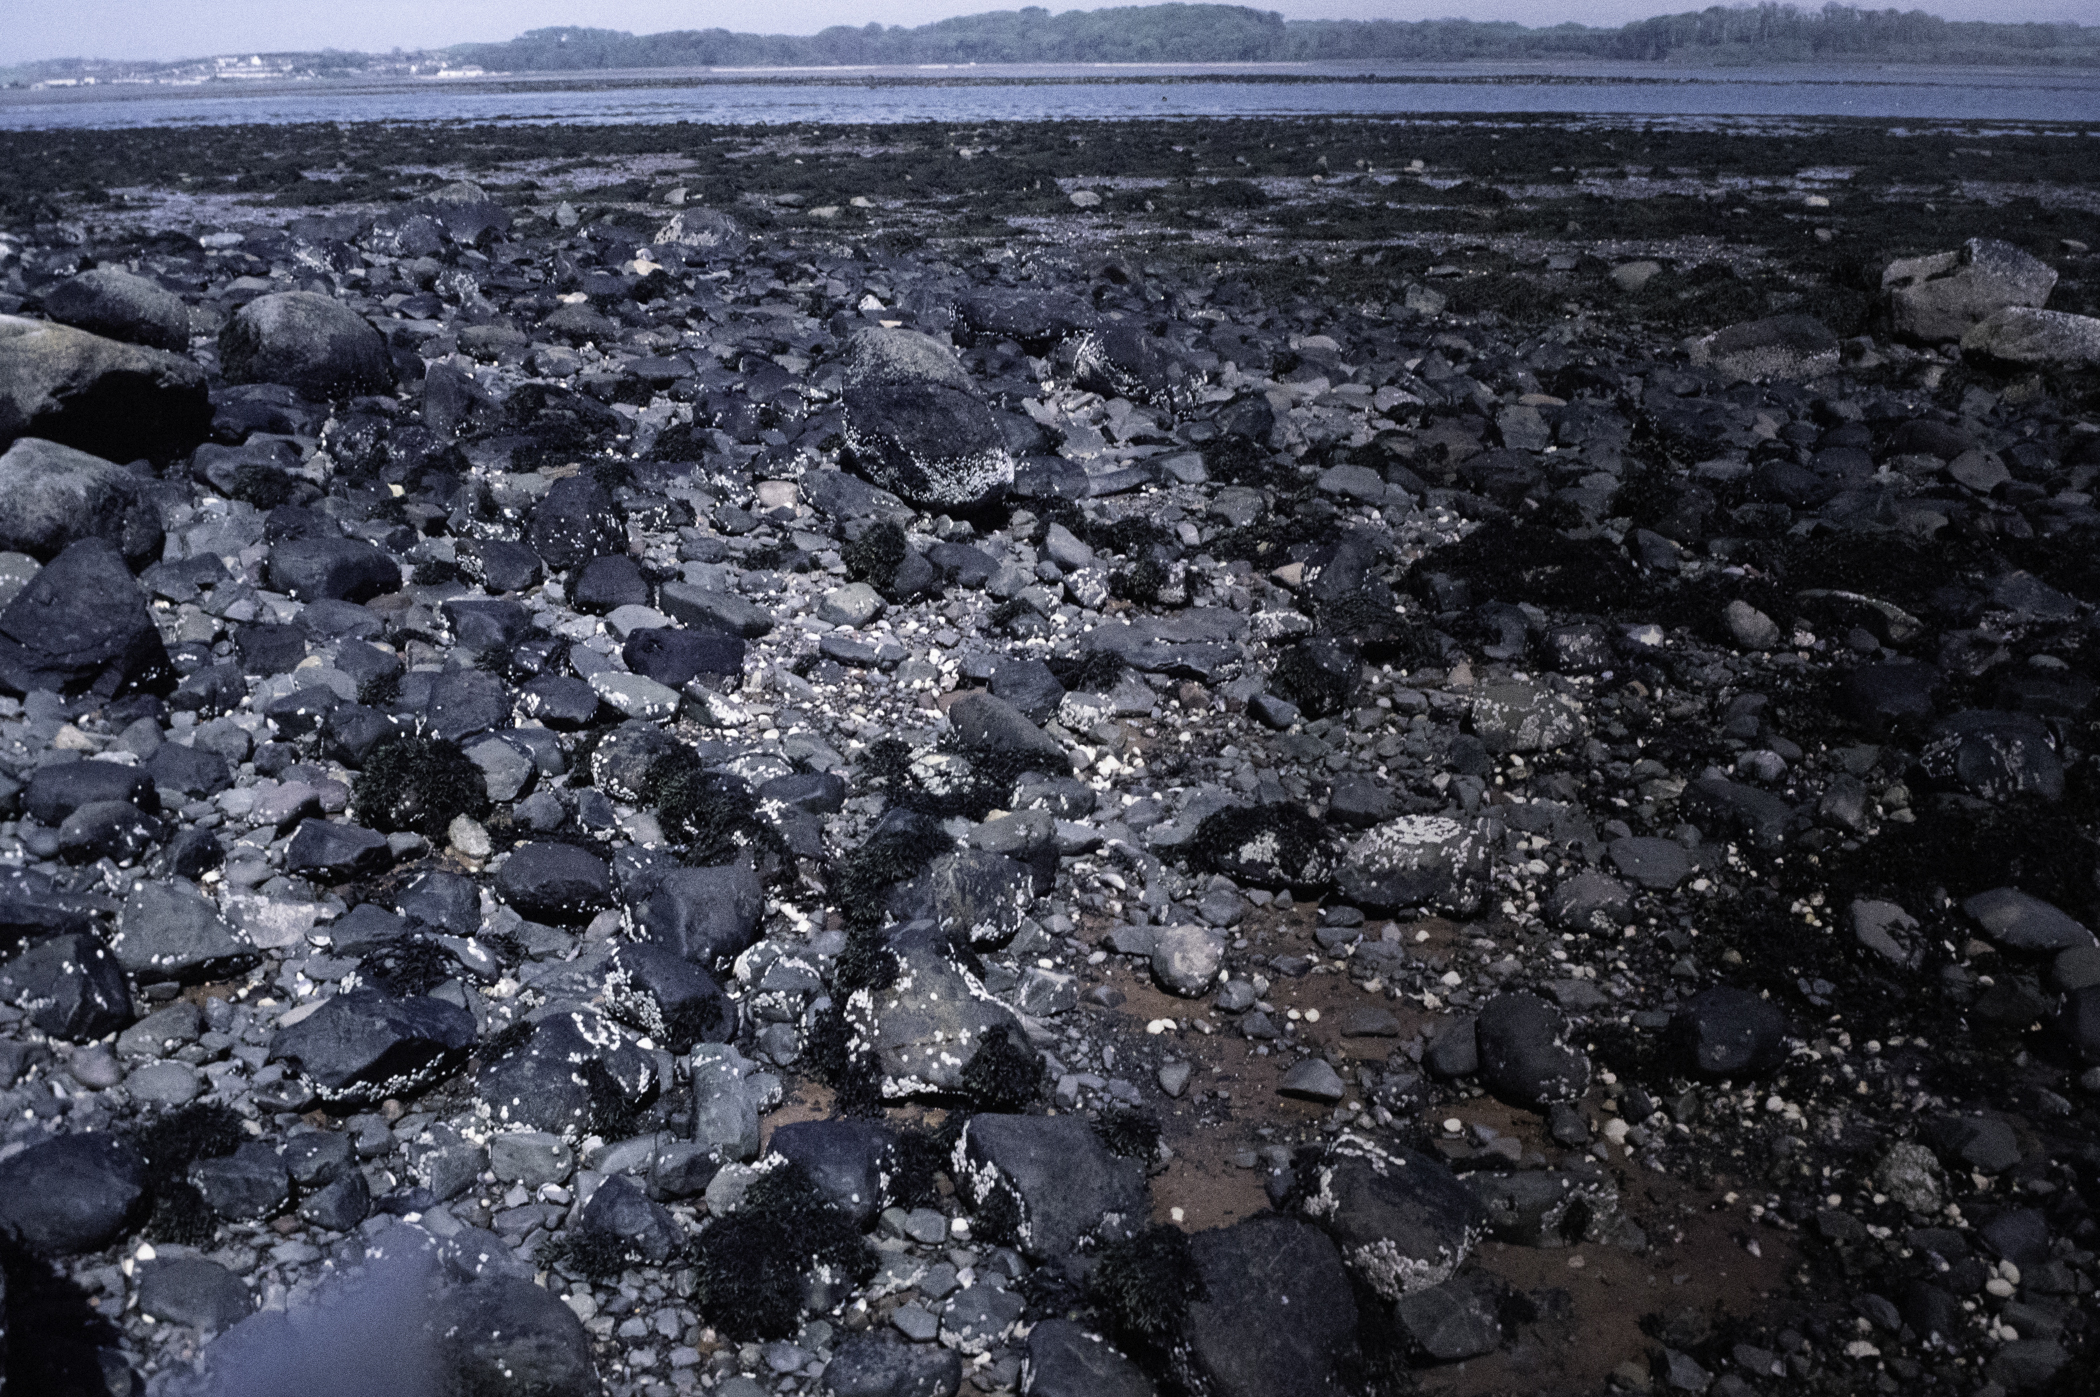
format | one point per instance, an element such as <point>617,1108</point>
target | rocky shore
<point>1258,758</point>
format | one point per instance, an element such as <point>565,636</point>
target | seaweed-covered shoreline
<point>830,759</point>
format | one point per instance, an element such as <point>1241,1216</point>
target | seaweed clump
<point>876,555</point>
<point>1129,1132</point>
<point>753,1267</point>
<point>412,966</point>
<point>1004,1074</point>
<point>590,1253</point>
<point>1318,675</point>
<point>1266,845</point>
<point>415,782</point>
<point>711,816</point>
<point>1090,672</point>
<point>1515,560</point>
<point>170,1143</point>
<point>1145,1284</point>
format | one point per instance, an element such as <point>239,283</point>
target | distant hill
<point>1178,33</point>
<point>1171,33</point>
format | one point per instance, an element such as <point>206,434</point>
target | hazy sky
<point>193,28</point>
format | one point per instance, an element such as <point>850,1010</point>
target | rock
<point>332,853</point>
<point>673,999</point>
<point>1730,1032</point>
<point>530,1157</point>
<point>1401,1220</point>
<point>713,610</point>
<point>728,1095</point>
<point>320,567</point>
<point>1887,930</point>
<point>471,218</point>
<point>1065,1186</point>
<point>117,305</point>
<point>621,1209</point>
<point>1449,1323</point>
<point>82,625</point>
<point>849,1161</point>
<point>191,1291</point>
<point>567,1072</point>
<point>989,724</point>
<point>70,986</point>
<point>1522,717</point>
<point>52,495</point>
<point>1524,1053</point>
<point>2020,922</point>
<point>1415,861</point>
<point>363,1046</point>
<point>1752,629</point>
<point>2026,1365</point>
<point>576,521</point>
<point>1658,865</point>
<point>877,1365</point>
<point>1910,1175</point>
<point>305,341</point>
<point>505,1334</point>
<point>1937,298</point>
<point>1313,1080</point>
<point>1983,1143</point>
<point>57,790</point>
<point>557,883</point>
<point>166,931</point>
<point>117,401</point>
<point>925,437</point>
<point>1720,806</point>
<point>1545,1207</point>
<point>1994,756</point>
<point>922,1029</point>
<point>854,604</point>
<point>71,1194</point>
<point>1784,346</point>
<point>708,233</point>
<point>983,896</point>
<point>2044,338</point>
<point>1278,1316</point>
<point>1064,1360</point>
<point>248,1185</point>
<point>1590,901</point>
<point>707,915</point>
<point>338,1206</point>
<point>677,657</point>
<point>1186,959</point>
<point>1630,277</point>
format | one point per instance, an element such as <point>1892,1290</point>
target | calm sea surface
<point>1024,93</point>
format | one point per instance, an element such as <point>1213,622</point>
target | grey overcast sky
<point>191,28</point>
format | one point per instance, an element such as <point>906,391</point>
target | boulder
<point>707,915</point>
<point>168,931</point>
<point>363,1045</point>
<point>1729,1032</point>
<point>1065,1360</point>
<point>574,522</point>
<point>1277,1319</point>
<point>82,624</point>
<point>114,400</point>
<point>1402,1220</point>
<point>1937,298</point>
<point>308,342</point>
<point>2041,338</point>
<point>119,305</point>
<point>189,1290</point>
<point>52,495</point>
<point>1064,1185</point>
<point>557,883</point>
<point>849,1161</point>
<point>1525,1056</point>
<point>915,427</point>
<point>557,1076</point>
<point>707,233</point>
<point>919,1031</point>
<point>505,1334</point>
<point>323,567</point>
<point>70,985</point>
<point>1783,346</point>
<point>1416,861</point>
<point>72,1194</point>
<point>882,1365</point>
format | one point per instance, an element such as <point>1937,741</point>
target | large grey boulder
<point>305,341</point>
<point>118,401</point>
<point>915,427</point>
<point>53,495</point>
<point>1937,298</point>
<point>118,305</point>
<point>2025,335</point>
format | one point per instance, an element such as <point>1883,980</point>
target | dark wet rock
<point>363,1045</point>
<point>1729,1032</point>
<point>1065,1360</point>
<point>1726,807</point>
<point>621,1209</point>
<point>72,1194</point>
<point>118,305</point>
<point>503,1333</point>
<point>339,1205</point>
<point>1525,1055</point>
<point>571,1074</point>
<point>1402,1221</point>
<point>980,896</point>
<point>2021,922</point>
<point>320,567</point>
<point>82,625</point>
<point>1938,297</point>
<point>921,1030</point>
<point>1545,1207</point>
<point>1994,756</point>
<point>707,915</point>
<point>1030,687</point>
<point>1450,1322</point>
<point>246,1186</point>
<point>71,987</point>
<point>915,427</point>
<point>1062,1183</point>
<point>1426,861</point>
<point>608,581</point>
<point>675,1000</point>
<point>57,790</point>
<point>677,657</point>
<point>574,522</point>
<point>1590,901</point>
<point>117,401</point>
<point>879,1365</point>
<point>52,495</point>
<point>336,853</point>
<point>192,1291</point>
<point>167,931</point>
<point>1278,1316</point>
<point>848,1161</point>
<point>1658,865</point>
<point>557,883</point>
<point>305,341</point>
<point>1455,1051</point>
